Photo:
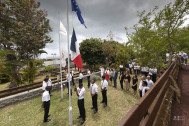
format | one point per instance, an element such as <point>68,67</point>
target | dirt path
<point>180,112</point>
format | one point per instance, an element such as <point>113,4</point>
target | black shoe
<point>92,107</point>
<point>82,122</point>
<point>105,106</point>
<point>78,117</point>
<point>102,102</point>
<point>95,112</point>
<point>49,115</point>
<point>48,120</point>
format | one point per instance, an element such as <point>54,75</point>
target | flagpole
<point>60,61</point>
<point>70,107</point>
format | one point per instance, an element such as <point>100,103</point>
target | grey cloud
<point>100,16</point>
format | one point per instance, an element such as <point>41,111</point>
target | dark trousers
<point>94,100</point>
<point>88,78</point>
<point>130,70</point>
<point>81,107</point>
<point>140,93</point>
<point>185,61</point>
<point>154,78</point>
<point>115,83</point>
<point>73,81</point>
<point>46,108</point>
<point>80,81</point>
<point>104,95</point>
<point>121,83</point>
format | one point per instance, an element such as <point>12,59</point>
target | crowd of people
<point>127,78</point>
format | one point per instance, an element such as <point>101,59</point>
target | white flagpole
<point>60,61</point>
<point>70,107</point>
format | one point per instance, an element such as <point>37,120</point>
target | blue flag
<point>75,8</point>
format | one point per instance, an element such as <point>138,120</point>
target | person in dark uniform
<point>127,80</point>
<point>94,95</point>
<point>80,77</point>
<point>104,85</point>
<point>115,73</point>
<point>134,86</point>
<point>80,92</point>
<point>88,77</point>
<point>73,78</point>
<point>121,78</point>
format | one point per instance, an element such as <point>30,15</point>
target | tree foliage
<point>92,51</point>
<point>24,30</point>
<point>158,33</point>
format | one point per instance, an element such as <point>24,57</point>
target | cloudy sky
<point>100,17</point>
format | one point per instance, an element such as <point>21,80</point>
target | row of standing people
<point>126,79</point>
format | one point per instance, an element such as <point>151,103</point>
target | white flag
<point>62,29</point>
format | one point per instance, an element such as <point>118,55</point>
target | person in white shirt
<point>80,92</point>
<point>73,77</point>
<point>130,68</point>
<point>145,88</point>
<point>104,86</point>
<point>46,103</point>
<point>111,75</point>
<point>69,78</point>
<point>149,82</point>
<point>140,85</point>
<point>102,71</point>
<point>88,77</point>
<point>121,68</point>
<point>185,56</point>
<point>154,74</point>
<point>94,95</point>
<point>49,84</point>
<point>80,77</point>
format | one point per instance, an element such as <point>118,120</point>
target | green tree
<point>30,72</point>
<point>24,30</point>
<point>158,33</point>
<point>48,69</point>
<point>92,51</point>
<point>109,51</point>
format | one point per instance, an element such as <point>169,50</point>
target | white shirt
<point>140,85</point>
<point>150,83</point>
<point>102,71</point>
<point>150,73</point>
<point>80,76</point>
<point>144,89</point>
<point>69,79</point>
<point>49,82</point>
<point>72,72</point>
<point>133,63</point>
<point>130,65</point>
<point>154,70</point>
<point>104,84</point>
<point>94,88</point>
<point>89,73</point>
<point>81,93</point>
<point>45,96</point>
<point>107,72</point>
<point>45,84</point>
<point>121,66</point>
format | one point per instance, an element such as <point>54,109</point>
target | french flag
<point>75,53</point>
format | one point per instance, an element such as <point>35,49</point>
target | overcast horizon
<point>100,17</point>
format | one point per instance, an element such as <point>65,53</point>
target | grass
<point>4,86</point>
<point>30,113</point>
